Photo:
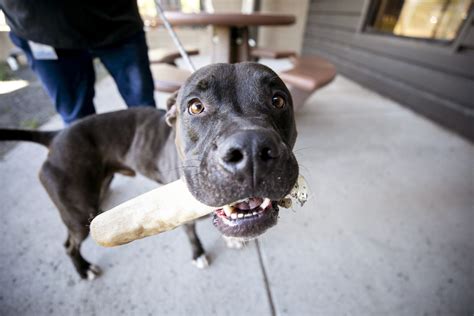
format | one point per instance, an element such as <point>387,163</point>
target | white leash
<point>174,37</point>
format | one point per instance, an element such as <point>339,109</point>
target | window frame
<point>370,9</point>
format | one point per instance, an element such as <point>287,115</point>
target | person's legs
<point>128,64</point>
<point>69,80</point>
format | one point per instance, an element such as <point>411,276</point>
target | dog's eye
<point>278,101</point>
<point>195,107</point>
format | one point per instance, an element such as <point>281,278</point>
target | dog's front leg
<point>199,255</point>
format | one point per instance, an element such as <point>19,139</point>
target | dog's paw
<point>201,262</point>
<point>93,272</point>
<point>234,243</point>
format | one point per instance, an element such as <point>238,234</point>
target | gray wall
<point>436,80</point>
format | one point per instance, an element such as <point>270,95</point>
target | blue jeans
<point>70,79</point>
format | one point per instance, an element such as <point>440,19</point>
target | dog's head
<point>235,132</point>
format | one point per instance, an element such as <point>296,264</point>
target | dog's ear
<point>171,107</point>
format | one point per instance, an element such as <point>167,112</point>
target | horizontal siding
<point>338,6</point>
<point>402,49</point>
<point>430,78</point>
<point>468,40</point>
<point>346,21</point>
<point>439,110</point>
<point>438,83</point>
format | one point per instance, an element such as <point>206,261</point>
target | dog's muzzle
<point>250,172</point>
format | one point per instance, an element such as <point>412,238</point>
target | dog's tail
<point>40,137</point>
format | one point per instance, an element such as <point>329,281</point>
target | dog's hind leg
<point>78,202</point>
<point>73,244</point>
<point>78,230</point>
<point>199,255</point>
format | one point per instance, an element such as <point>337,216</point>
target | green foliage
<point>5,72</point>
<point>30,124</point>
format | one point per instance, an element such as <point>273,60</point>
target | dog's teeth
<point>254,213</point>
<point>265,203</point>
<point>240,215</point>
<point>247,215</point>
<point>228,210</point>
<point>233,215</point>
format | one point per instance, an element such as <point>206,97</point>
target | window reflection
<point>430,19</point>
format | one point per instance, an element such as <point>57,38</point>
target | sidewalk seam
<point>265,279</point>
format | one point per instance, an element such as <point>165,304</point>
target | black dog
<point>229,131</point>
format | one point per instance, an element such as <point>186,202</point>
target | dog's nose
<point>249,151</point>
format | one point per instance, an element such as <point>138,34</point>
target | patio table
<point>230,31</point>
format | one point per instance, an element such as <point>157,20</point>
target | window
<point>423,19</point>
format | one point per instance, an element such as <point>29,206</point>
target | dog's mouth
<point>246,218</point>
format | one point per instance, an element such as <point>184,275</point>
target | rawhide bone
<point>151,213</point>
<point>160,210</point>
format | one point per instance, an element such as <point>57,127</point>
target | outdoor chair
<point>167,76</point>
<point>309,73</point>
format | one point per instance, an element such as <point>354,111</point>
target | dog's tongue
<point>250,204</point>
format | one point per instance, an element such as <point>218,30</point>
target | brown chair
<point>168,78</point>
<point>259,52</point>
<point>165,56</point>
<point>309,74</point>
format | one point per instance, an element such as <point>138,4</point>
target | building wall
<point>432,79</point>
<point>284,37</point>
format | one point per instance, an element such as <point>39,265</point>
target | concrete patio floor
<point>388,230</point>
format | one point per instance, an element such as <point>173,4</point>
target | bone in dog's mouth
<point>246,218</point>
<point>250,217</point>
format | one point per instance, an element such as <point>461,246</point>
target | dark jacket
<point>73,23</point>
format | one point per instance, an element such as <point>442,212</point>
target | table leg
<point>239,45</point>
<point>230,45</point>
<point>220,44</point>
